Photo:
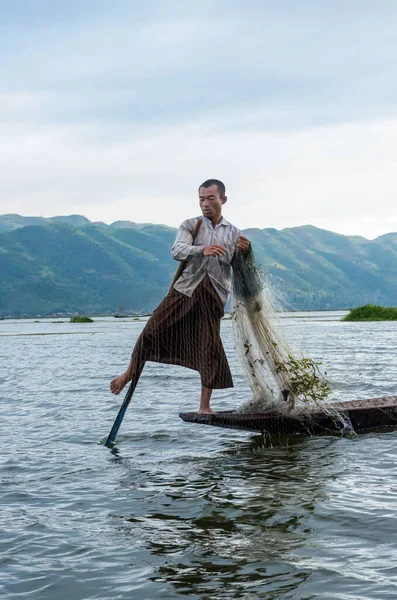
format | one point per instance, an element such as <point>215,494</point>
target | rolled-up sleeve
<point>183,245</point>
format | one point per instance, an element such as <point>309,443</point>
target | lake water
<point>179,510</point>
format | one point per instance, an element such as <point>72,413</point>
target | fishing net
<point>280,381</point>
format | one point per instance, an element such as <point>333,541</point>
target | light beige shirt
<point>218,268</point>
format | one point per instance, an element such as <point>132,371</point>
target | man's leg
<point>205,401</point>
<point>152,342</point>
<point>116,385</point>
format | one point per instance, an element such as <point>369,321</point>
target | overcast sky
<point>119,109</point>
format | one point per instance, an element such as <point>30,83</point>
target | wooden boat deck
<point>363,415</point>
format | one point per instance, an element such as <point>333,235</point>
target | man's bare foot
<point>207,411</point>
<point>116,385</point>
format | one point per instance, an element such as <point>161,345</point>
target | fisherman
<point>185,328</point>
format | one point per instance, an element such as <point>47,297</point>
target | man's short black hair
<point>220,186</point>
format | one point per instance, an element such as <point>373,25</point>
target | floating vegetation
<point>370,312</point>
<point>81,320</point>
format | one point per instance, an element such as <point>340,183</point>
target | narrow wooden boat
<point>332,419</point>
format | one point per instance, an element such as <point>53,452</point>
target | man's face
<point>211,202</point>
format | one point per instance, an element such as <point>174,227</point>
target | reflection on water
<point>180,510</point>
<point>226,524</point>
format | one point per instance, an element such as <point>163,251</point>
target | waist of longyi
<point>188,282</point>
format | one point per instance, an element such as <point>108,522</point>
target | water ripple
<point>177,510</point>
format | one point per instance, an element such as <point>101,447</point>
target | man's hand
<point>243,243</point>
<point>214,250</point>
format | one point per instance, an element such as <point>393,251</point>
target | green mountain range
<point>69,264</point>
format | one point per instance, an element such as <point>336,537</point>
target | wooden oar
<point>110,442</point>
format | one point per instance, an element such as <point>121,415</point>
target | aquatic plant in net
<point>279,380</point>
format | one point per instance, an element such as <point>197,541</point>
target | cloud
<point>120,111</point>
<point>338,176</point>
<point>193,58</point>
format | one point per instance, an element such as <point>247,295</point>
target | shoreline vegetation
<point>81,320</point>
<point>370,312</point>
<point>141,316</point>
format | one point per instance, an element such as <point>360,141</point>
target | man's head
<point>212,196</point>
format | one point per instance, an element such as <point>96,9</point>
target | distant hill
<point>68,264</point>
<point>317,269</point>
<point>11,222</point>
